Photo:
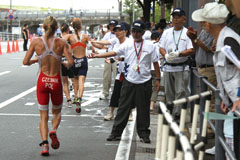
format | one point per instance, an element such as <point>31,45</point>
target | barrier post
<point>203,87</point>
<point>219,130</point>
<point>164,145</point>
<point>159,134</point>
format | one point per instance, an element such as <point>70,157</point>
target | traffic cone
<point>0,48</point>
<point>8,47</point>
<point>17,47</point>
<point>13,47</point>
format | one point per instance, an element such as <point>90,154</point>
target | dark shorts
<point>80,66</point>
<point>67,72</point>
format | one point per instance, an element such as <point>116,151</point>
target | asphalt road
<point>82,136</point>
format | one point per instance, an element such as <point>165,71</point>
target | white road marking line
<point>124,147</point>
<point>38,115</point>
<point>29,104</point>
<point>7,102</point>
<point>6,72</point>
<point>89,102</point>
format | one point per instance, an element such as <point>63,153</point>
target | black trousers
<point>138,95</point>
<point>25,42</point>
<point>116,94</point>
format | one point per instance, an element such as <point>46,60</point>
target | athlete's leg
<point>81,81</point>
<point>56,118</point>
<point>44,124</point>
<point>75,86</point>
<point>66,87</point>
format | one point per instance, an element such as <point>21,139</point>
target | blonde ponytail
<point>50,26</point>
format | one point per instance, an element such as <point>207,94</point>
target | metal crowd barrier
<point>170,138</point>
<point>165,147</point>
<point>220,144</point>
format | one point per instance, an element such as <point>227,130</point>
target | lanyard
<point>138,54</point>
<point>178,39</point>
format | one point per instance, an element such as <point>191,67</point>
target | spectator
<point>25,33</point>
<point>175,46</point>
<point>228,76</point>
<point>109,69</point>
<point>147,34</point>
<point>40,30</point>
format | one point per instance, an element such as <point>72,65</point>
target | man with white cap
<point>228,77</point>
<point>175,47</point>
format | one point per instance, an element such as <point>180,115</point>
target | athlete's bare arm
<point>27,59</point>
<point>68,54</point>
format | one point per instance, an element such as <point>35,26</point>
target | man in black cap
<point>175,47</point>
<point>109,68</point>
<point>136,89</point>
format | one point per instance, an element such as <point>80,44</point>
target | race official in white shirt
<point>176,46</point>
<point>137,85</point>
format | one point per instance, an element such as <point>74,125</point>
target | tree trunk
<point>146,11</point>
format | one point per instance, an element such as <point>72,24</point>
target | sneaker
<point>103,97</point>
<point>78,105</point>
<point>145,139</point>
<point>113,138</point>
<point>109,116</point>
<point>45,148</point>
<point>75,100</point>
<point>210,151</point>
<point>69,103</point>
<point>55,142</point>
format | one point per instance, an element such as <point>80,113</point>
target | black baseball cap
<point>138,24</point>
<point>120,26</point>
<point>113,22</point>
<point>178,11</point>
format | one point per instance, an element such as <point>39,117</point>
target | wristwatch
<point>195,40</point>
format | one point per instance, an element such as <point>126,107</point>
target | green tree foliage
<point>128,9</point>
<point>158,12</point>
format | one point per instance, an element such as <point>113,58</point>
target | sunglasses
<point>135,30</point>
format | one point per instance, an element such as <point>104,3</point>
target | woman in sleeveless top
<point>79,42</point>
<point>49,52</point>
<point>66,72</point>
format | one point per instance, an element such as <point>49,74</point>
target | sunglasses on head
<point>135,30</point>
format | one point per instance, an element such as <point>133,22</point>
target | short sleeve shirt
<point>203,57</point>
<point>148,55</point>
<point>181,42</point>
<point>108,36</point>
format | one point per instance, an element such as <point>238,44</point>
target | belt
<point>177,64</point>
<point>205,66</point>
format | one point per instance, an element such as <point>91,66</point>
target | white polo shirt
<point>182,42</point>
<point>148,55</point>
<point>109,35</point>
<point>120,65</point>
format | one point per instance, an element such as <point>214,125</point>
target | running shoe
<point>69,103</point>
<point>75,100</point>
<point>45,149</point>
<point>55,142</point>
<point>78,105</point>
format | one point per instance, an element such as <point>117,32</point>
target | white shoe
<point>109,116</point>
<point>210,151</point>
<point>102,97</point>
